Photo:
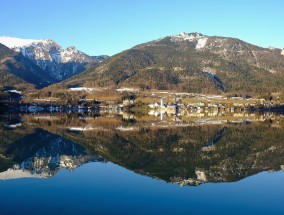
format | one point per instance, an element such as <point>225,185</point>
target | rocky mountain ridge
<point>19,72</point>
<point>49,56</point>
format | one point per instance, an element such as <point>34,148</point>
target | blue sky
<point>110,26</point>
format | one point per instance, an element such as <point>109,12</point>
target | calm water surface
<point>109,164</point>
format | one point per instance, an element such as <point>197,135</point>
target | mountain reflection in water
<point>183,150</point>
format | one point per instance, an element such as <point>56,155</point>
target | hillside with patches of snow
<point>190,62</point>
<point>199,39</point>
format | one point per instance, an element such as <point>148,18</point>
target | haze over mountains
<point>188,62</point>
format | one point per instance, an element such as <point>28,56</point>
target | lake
<point>92,163</point>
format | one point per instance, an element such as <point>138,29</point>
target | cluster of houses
<point>173,108</point>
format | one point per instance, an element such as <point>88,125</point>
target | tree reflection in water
<point>177,150</point>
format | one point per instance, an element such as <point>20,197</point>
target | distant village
<point>170,103</point>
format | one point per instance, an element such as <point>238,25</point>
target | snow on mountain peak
<point>12,42</point>
<point>43,50</point>
<point>187,36</point>
<point>192,37</point>
<point>201,43</point>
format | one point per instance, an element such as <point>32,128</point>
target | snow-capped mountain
<point>19,72</point>
<point>58,62</point>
